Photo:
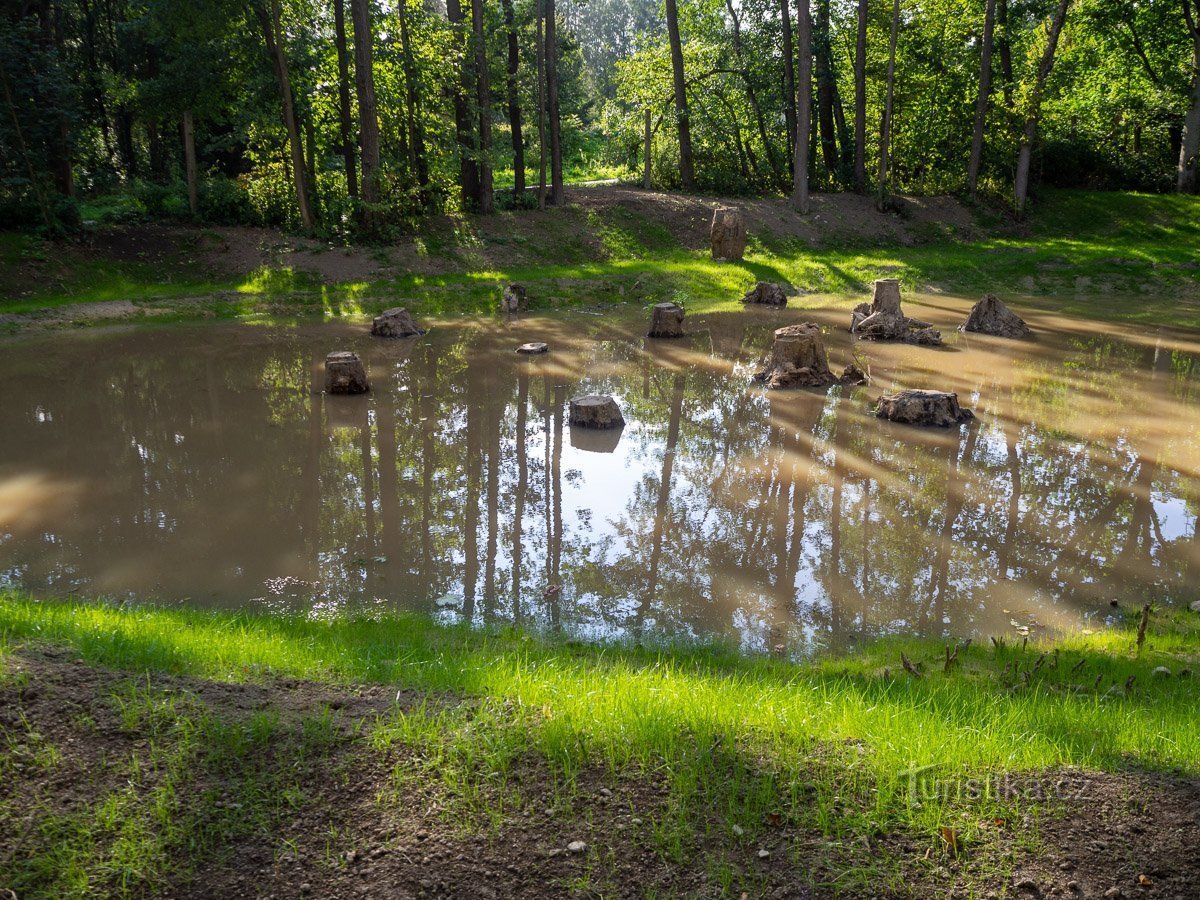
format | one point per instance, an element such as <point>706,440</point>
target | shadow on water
<point>203,465</point>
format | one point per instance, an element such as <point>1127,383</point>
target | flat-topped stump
<point>938,409</point>
<point>345,373</point>
<point>666,320</point>
<point>533,348</point>
<point>595,411</point>
<point>991,316</point>
<point>797,359</point>
<point>395,323</point>
<point>727,234</point>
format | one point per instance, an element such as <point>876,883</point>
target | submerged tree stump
<point>533,348</point>
<point>883,320</point>
<point>395,323</point>
<point>514,299</point>
<point>595,411</point>
<point>915,407</point>
<point>345,373</point>
<point>991,316</point>
<point>797,359</point>
<point>766,293</point>
<point>666,320</point>
<point>728,233</point>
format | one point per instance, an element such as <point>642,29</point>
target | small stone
<point>605,792</point>
<point>1026,884</point>
<point>1194,606</point>
<point>1162,672</point>
<point>1074,886</point>
<point>396,322</point>
<point>763,854</point>
<point>738,830</point>
<point>1066,865</point>
<point>577,846</point>
<point>534,347</point>
<point>1113,892</point>
<point>305,888</point>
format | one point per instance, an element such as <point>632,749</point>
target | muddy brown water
<point>198,465</point>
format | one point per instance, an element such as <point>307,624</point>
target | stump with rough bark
<point>395,323</point>
<point>345,373</point>
<point>666,320</point>
<point>883,319</point>
<point>766,293</point>
<point>514,299</point>
<point>595,411</point>
<point>915,407</point>
<point>991,316</point>
<point>797,359</point>
<point>728,233</point>
<point>533,348</point>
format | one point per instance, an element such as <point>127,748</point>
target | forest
<point>354,117</point>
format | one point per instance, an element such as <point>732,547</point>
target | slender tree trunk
<point>483,96</point>
<point>860,101</point>
<point>981,102</point>
<point>310,161</point>
<point>1004,48</point>
<point>345,128</point>
<point>789,83</point>
<point>752,96</point>
<point>368,117</point>
<point>468,167</point>
<point>418,154</point>
<point>60,146</point>
<point>1188,178</point>
<point>268,18</point>
<point>189,161</point>
<point>514,100</point>
<point>649,134</point>
<point>885,128</point>
<point>557,191</point>
<point>800,200</point>
<point>687,173</point>
<point>1021,181</point>
<point>541,111</point>
<point>825,90</point>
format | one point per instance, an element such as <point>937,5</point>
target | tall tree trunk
<point>789,82</point>
<point>860,101</point>
<point>268,19</point>
<point>1021,181</point>
<point>468,167</point>
<point>416,129</point>
<point>514,100</point>
<point>60,145</point>
<point>368,117</point>
<point>541,111</point>
<point>189,162</point>
<point>825,89</point>
<point>557,192</point>
<point>752,96</point>
<point>1188,177</point>
<point>345,128</point>
<point>800,200</point>
<point>649,134</point>
<point>1004,47</point>
<point>981,101</point>
<point>687,174</point>
<point>483,96</point>
<point>885,128</point>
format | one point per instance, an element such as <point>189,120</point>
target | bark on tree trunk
<point>1004,47</point>
<point>541,85</point>
<point>557,193</point>
<point>1188,178</point>
<point>885,128</point>
<point>789,83</point>
<point>416,130</point>
<point>189,159</point>
<point>368,119</point>
<point>800,199</point>
<point>687,175</point>
<point>752,96</point>
<point>345,128</point>
<point>981,102</point>
<point>1021,181</point>
<point>649,134</point>
<point>825,90</point>
<point>860,101</point>
<point>514,100</point>
<point>483,96</point>
<point>468,168</point>
<point>268,18</point>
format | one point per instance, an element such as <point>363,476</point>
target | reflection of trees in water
<point>776,518</point>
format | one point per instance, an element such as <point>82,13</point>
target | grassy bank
<point>732,749</point>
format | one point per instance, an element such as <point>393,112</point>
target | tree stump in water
<point>915,407</point>
<point>395,323</point>
<point>883,320</point>
<point>991,316</point>
<point>666,320</point>
<point>533,348</point>
<point>345,373</point>
<point>728,233</point>
<point>766,293</point>
<point>515,298</point>
<point>797,359</point>
<point>595,411</point>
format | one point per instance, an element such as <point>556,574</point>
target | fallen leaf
<point>774,818</point>
<point>1144,880</point>
<point>949,839</point>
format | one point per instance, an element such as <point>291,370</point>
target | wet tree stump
<point>991,316</point>
<point>728,233</point>
<point>345,373</point>
<point>595,411</point>
<point>883,320</point>
<point>533,348</point>
<point>915,407</point>
<point>514,299</point>
<point>395,323</point>
<point>666,320</point>
<point>766,293</point>
<point>797,359</point>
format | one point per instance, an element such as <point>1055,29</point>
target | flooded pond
<point>197,465</point>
